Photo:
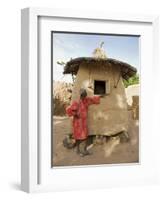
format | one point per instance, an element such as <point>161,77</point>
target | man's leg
<point>78,146</point>
<point>81,146</point>
<point>87,143</point>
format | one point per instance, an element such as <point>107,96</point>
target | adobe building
<point>100,75</point>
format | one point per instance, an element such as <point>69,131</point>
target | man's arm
<point>93,100</point>
<point>72,109</point>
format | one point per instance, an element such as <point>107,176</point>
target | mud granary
<point>101,75</point>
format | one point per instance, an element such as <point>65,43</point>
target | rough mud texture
<point>112,151</point>
<point>110,116</point>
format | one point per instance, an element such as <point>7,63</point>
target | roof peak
<point>99,52</point>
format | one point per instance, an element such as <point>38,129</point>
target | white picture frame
<point>36,171</point>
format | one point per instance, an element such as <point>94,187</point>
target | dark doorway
<point>99,87</point>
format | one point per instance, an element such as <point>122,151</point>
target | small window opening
<point>99,87</point>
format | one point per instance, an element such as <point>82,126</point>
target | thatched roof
<point>72,66</point>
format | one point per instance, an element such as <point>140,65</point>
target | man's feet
<point>85,153</point>
<point>80,153</point>
<point>82,149</point>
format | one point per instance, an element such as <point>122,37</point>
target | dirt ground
<point>112,152</point>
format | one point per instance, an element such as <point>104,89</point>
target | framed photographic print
<point>88,86</point>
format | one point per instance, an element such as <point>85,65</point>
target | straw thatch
<point>72,66</point>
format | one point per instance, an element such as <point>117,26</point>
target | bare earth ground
<point>112,152</point>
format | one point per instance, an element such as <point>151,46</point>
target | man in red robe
<point>79,111</point>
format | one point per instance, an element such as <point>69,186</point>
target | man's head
<point>83,93</point>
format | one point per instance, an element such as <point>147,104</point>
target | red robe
<point>79,111</point>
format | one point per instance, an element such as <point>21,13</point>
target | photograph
<point>95,98</point>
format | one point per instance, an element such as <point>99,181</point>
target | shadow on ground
<point>112,152</point>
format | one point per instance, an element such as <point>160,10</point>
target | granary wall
<point>110,116</point>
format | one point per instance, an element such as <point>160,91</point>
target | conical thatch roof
<point>72,66</point>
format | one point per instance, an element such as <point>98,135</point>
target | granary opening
<point>99,87</point>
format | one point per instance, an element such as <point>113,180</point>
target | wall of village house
<point>111,115</point>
